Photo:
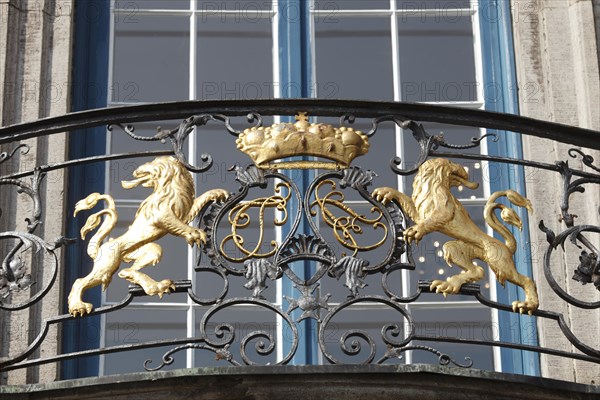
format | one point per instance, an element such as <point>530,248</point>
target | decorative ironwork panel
<point>347,244</point>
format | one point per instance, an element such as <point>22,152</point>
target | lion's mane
<point>173,186</point>
<point>431,193</point>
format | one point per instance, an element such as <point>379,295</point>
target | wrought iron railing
<point>319,226</point>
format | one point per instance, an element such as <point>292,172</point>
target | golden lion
<point>169,209</point>
<point>433,208</point>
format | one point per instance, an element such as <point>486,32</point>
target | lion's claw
<point>413,234</point>
<point>524,306</point>
<point>80,308</point>
<point>195,237</point>
<point>382,195</point>
<point>166,286</point>
<point>219,195</point>
<point>444,287</point>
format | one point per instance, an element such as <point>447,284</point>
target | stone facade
<point>35,71</point>
<point>556,56</point>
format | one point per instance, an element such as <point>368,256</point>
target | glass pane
<point>234,58</point>
<point>173,264</point>
<point>354,59</point>
<point>456,323</point>
<point>437,59</point>
<point>214,7</point>
<point>135,5</point>
<point>331,6</point>
<point>445,5</point>
<point>128,327</point>
<point>151,59</point>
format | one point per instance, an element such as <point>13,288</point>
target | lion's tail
<point>508,215</point>
<point>95,219</point>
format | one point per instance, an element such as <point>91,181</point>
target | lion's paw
<point>444,287</point>
<point>383,195</point>
<point>413,234</point>
<point>195,236</point>
<point>526,306</point>
<point>160,288</point>
<point>80,308</point>
<point>219,194</point>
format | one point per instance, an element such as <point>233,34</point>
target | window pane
<point>456,323</point>
<point>437,58</point>
<point>151,59</point>
<point>135,5</point>
<point>354,59</point>
<point>129,327</point>
<point>214,7</point>
<point>331,6</point>
<point>444,5</point>
<point>234,58</point>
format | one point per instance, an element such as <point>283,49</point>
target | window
<point>438,52</point>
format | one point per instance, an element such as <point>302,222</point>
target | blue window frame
<point>296,70</point>
<point>500,83</point>
<point>89,90</point>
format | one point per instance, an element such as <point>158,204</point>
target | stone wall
<point>35,69</point>
<point>556,54</point>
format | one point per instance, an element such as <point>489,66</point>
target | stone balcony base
<point>346,382</point>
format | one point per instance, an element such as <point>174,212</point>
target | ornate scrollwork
<point>346,226</point>
<point>130,131</point>
<point>14,275</point>
<point>318,221</point>
<point>7,155</point>
<point>179,135</point>
<point>428,143</point>
<point>585,158</point>
<point>588,271</point>
<point>224,334</point>
<point>444,359</point>
<point>168,359</point>
<point>349,340</point>
<point>239,218</point>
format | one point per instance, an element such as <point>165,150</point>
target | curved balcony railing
<point>315,222</point>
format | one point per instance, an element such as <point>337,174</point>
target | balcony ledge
<point>308,382</point>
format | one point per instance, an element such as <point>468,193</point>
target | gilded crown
<point>266,144</point>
